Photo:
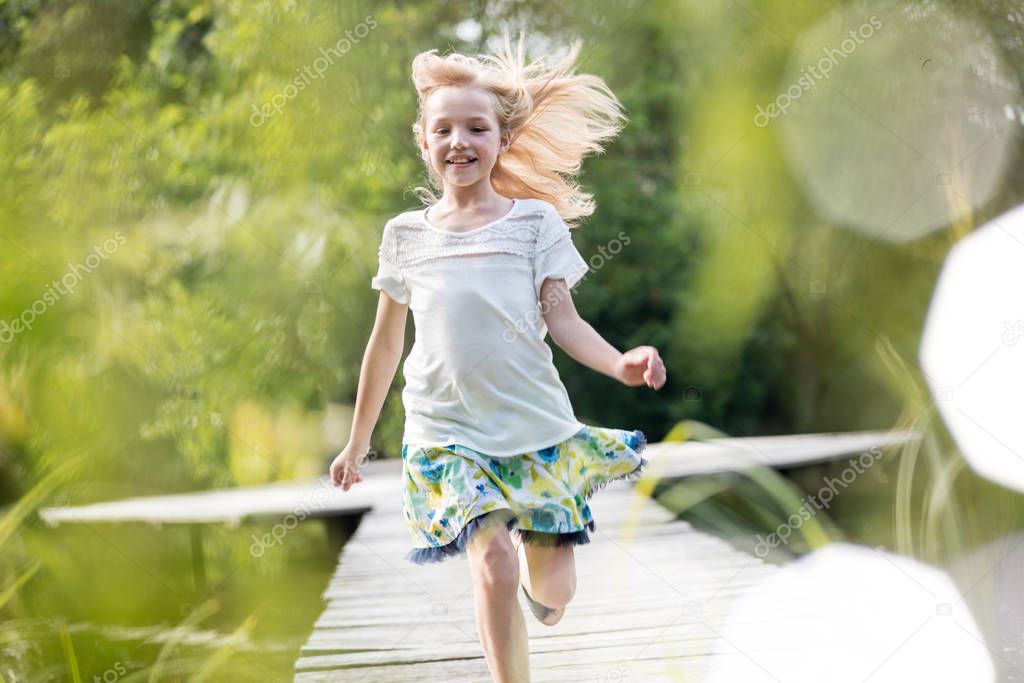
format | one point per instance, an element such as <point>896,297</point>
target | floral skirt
<point>452,491</point>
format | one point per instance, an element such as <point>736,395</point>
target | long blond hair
<point>554,118</point>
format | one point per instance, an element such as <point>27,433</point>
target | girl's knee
<point>555,592</point>
<point>563,592</point>
<point>493,558</point>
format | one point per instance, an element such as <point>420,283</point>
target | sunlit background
<point>191,200</point>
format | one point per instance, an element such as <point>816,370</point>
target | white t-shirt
<point>480,373</point>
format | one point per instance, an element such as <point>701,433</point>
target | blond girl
<point>495,464</point>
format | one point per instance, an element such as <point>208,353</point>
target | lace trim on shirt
<point>407,242</point>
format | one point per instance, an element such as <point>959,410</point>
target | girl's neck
<point>473,198</point>
<point>464,212</point>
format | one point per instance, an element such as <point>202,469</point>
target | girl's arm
<point>380,362</point>
<point>575,336</point>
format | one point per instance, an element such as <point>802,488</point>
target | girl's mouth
<point>471,160</point>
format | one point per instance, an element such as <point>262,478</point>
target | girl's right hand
<point>641,365</point>
<point>345,468</point>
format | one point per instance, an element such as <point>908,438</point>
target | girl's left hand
<point>641,365</point>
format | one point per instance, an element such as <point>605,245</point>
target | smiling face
<point>459,121</point>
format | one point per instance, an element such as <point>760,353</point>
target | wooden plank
<point>318,498</point>
<point>628,624</point>
<point>691,458</point>
<point>609,648</point>
<point>475,671</point>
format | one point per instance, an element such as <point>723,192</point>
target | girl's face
<point>460,122</point>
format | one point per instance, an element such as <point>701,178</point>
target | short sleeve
<point>389,277</point>
<point>555,255</point>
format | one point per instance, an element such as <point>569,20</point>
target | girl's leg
<point>549,575</point>
<point>499,619</point>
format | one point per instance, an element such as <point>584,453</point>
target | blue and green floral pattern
<point>450,491</point>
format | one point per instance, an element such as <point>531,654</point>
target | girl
<point>491,443</point>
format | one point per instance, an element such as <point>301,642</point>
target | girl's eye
<point>442,131</point>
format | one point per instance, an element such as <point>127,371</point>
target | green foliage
<point>250,197</point>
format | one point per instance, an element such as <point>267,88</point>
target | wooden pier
<point>652,596</point>
<point>650,605</point>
